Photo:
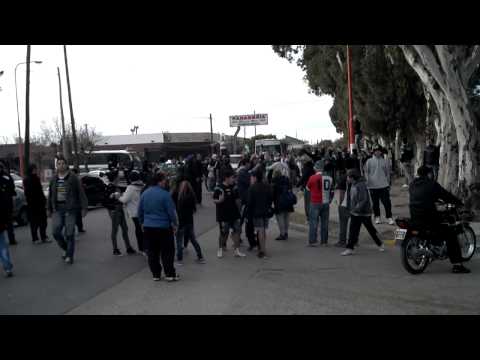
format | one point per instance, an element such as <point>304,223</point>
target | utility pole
<point>350,107</point>
<point>72,119</point>
<point>27,113</point>
<point>211,135</point>
<point>62,117</point>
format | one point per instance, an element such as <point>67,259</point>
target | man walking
<point>7,187</point>
<point>321,188</point>
<point>227,203</point>
<point>36,205</point>
<point>65,197</point>
<point>343,191</point>
<point>243,184</point>
<point>377,174</point>
<point>4,219</point>
<point>358,202</point>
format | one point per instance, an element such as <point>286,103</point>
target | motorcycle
<point>418,248</point>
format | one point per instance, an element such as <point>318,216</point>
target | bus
<point>100,160</point>
<point>272,146</point>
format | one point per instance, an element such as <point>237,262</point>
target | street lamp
<point>20,152</point>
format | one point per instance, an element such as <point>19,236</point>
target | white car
<point>234,160</point>
<point>17,180</point>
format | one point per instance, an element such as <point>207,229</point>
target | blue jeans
<point>4,253</point>
<point>306,201</point>
<point>322,212</point>
<point>183,233</point>
<point>64,219</point>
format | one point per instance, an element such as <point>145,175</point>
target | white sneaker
<point>220,253</point>
<point>347,252</point>
<point>381,248</point>
<point>237,253</point>
<point>377,220</point>
<point>391,222</point>
<point>404,186</point>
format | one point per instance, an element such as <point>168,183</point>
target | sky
<point>163,88</point>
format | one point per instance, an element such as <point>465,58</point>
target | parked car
<point>94,189</point>
<point>17,180</point>
<point>20,215</point>
<point>235,160</point>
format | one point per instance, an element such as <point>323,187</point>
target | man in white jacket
<point>131,198</point>
<point>377,174</point>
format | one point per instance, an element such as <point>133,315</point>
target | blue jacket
<point>156,209</point>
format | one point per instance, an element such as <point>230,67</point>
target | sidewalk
<point>399,197</point>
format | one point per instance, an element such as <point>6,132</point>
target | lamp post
<point>20,152</point>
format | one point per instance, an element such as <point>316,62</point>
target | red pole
<point>350,108</point>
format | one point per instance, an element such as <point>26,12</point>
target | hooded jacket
<point>131,197</point>
<point>359,203</point>
<point>377,173</point>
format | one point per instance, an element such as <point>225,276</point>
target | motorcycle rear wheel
<point>414,263</point>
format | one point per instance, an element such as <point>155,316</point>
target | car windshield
<point>235,159</point>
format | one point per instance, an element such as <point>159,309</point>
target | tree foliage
<point>387,93</point>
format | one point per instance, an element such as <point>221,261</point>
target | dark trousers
<point>160,244</point>
<point>79,220</point>
<point>38,223</point>
<point>249,228</point>
<point>139,234</point>
<point>382,195</point>
<point>448,233</point>
<point>11,233</point>
<point>186,232</point>
<point>198,191</point>
<point>118,220</point>
<point>344,216</point>
<point>355,225</point>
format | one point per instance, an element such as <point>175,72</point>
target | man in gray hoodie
<point>358,203</point>
<point>377,174</point>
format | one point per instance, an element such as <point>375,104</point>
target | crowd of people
<point>161,207</point>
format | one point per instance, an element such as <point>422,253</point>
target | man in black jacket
<point>424,192</point>
<point>65,197</point>
<point>7,186</point>
<point>36,205</point>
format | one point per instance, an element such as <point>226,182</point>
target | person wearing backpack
<point>283,201</point>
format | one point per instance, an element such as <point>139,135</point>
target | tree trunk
<point>445,72</point>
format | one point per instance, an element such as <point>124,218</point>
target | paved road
<point>43,284</point>
<point>295,280</point>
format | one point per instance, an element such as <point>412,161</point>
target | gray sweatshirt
<point>377,173</point>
